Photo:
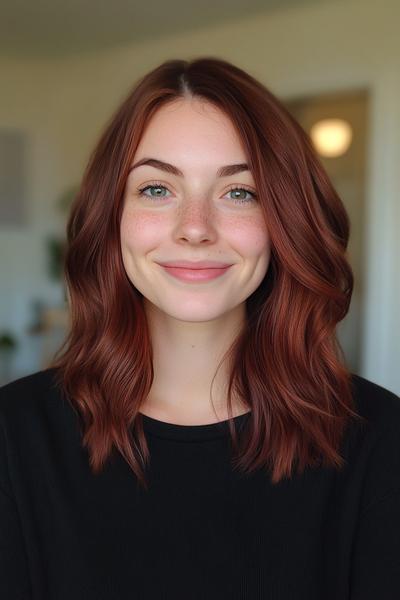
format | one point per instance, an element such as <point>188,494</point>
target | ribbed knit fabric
<point>203,531</point>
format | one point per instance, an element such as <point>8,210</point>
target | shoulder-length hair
<point>287,364</point>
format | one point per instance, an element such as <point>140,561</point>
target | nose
<point>196,222</point>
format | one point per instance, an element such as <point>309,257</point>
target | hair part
<point>287,365</point>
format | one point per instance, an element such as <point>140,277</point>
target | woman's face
<point>194,215</point>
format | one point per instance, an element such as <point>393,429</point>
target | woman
<point>199,435</point>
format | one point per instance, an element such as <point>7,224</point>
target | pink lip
<point>188,264</point>
<point>195,275</point>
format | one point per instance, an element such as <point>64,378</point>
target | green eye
<point>153,187</point>
<point>240,199</point>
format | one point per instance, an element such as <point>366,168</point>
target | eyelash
<point>233,188</point>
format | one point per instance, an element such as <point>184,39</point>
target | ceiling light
<point>331,137</point>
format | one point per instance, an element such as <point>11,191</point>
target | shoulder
<point>376,449</point>
<point>27,392</point>
<point>31,414</point>
<point>379,406</point>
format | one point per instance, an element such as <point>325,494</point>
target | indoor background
<point>66,66</point>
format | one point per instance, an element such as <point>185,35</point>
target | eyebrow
<point>225,171</point>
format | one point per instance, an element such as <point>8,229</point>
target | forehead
<point>190,127</point>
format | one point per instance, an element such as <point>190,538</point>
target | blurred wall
<point>63,104</point>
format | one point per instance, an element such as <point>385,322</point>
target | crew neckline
<point>190,433</point>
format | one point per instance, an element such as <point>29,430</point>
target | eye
<point>153,186</point>
<point>241,200</point>
<point>239,196</point>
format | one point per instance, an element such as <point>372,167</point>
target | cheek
<point>140,231</point>
<point>250,236</point>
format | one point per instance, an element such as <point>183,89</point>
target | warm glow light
<point>331,137</point>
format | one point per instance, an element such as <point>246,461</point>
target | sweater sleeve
<point>376,556</point>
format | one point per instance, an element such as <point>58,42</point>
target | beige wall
<point>311,49</point>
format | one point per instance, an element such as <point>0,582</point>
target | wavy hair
<point>287,365</point>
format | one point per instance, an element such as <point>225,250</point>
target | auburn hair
<point>287,364</point>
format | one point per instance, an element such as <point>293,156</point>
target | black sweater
<point>203,531</point>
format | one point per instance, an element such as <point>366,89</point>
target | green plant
<point>7,341</point>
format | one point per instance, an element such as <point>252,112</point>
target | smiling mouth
<point>200,264</point>
<point>195,275</point>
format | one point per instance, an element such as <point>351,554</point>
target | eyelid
<point>154,184</point>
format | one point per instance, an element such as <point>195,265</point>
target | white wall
<point>327,47</point>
